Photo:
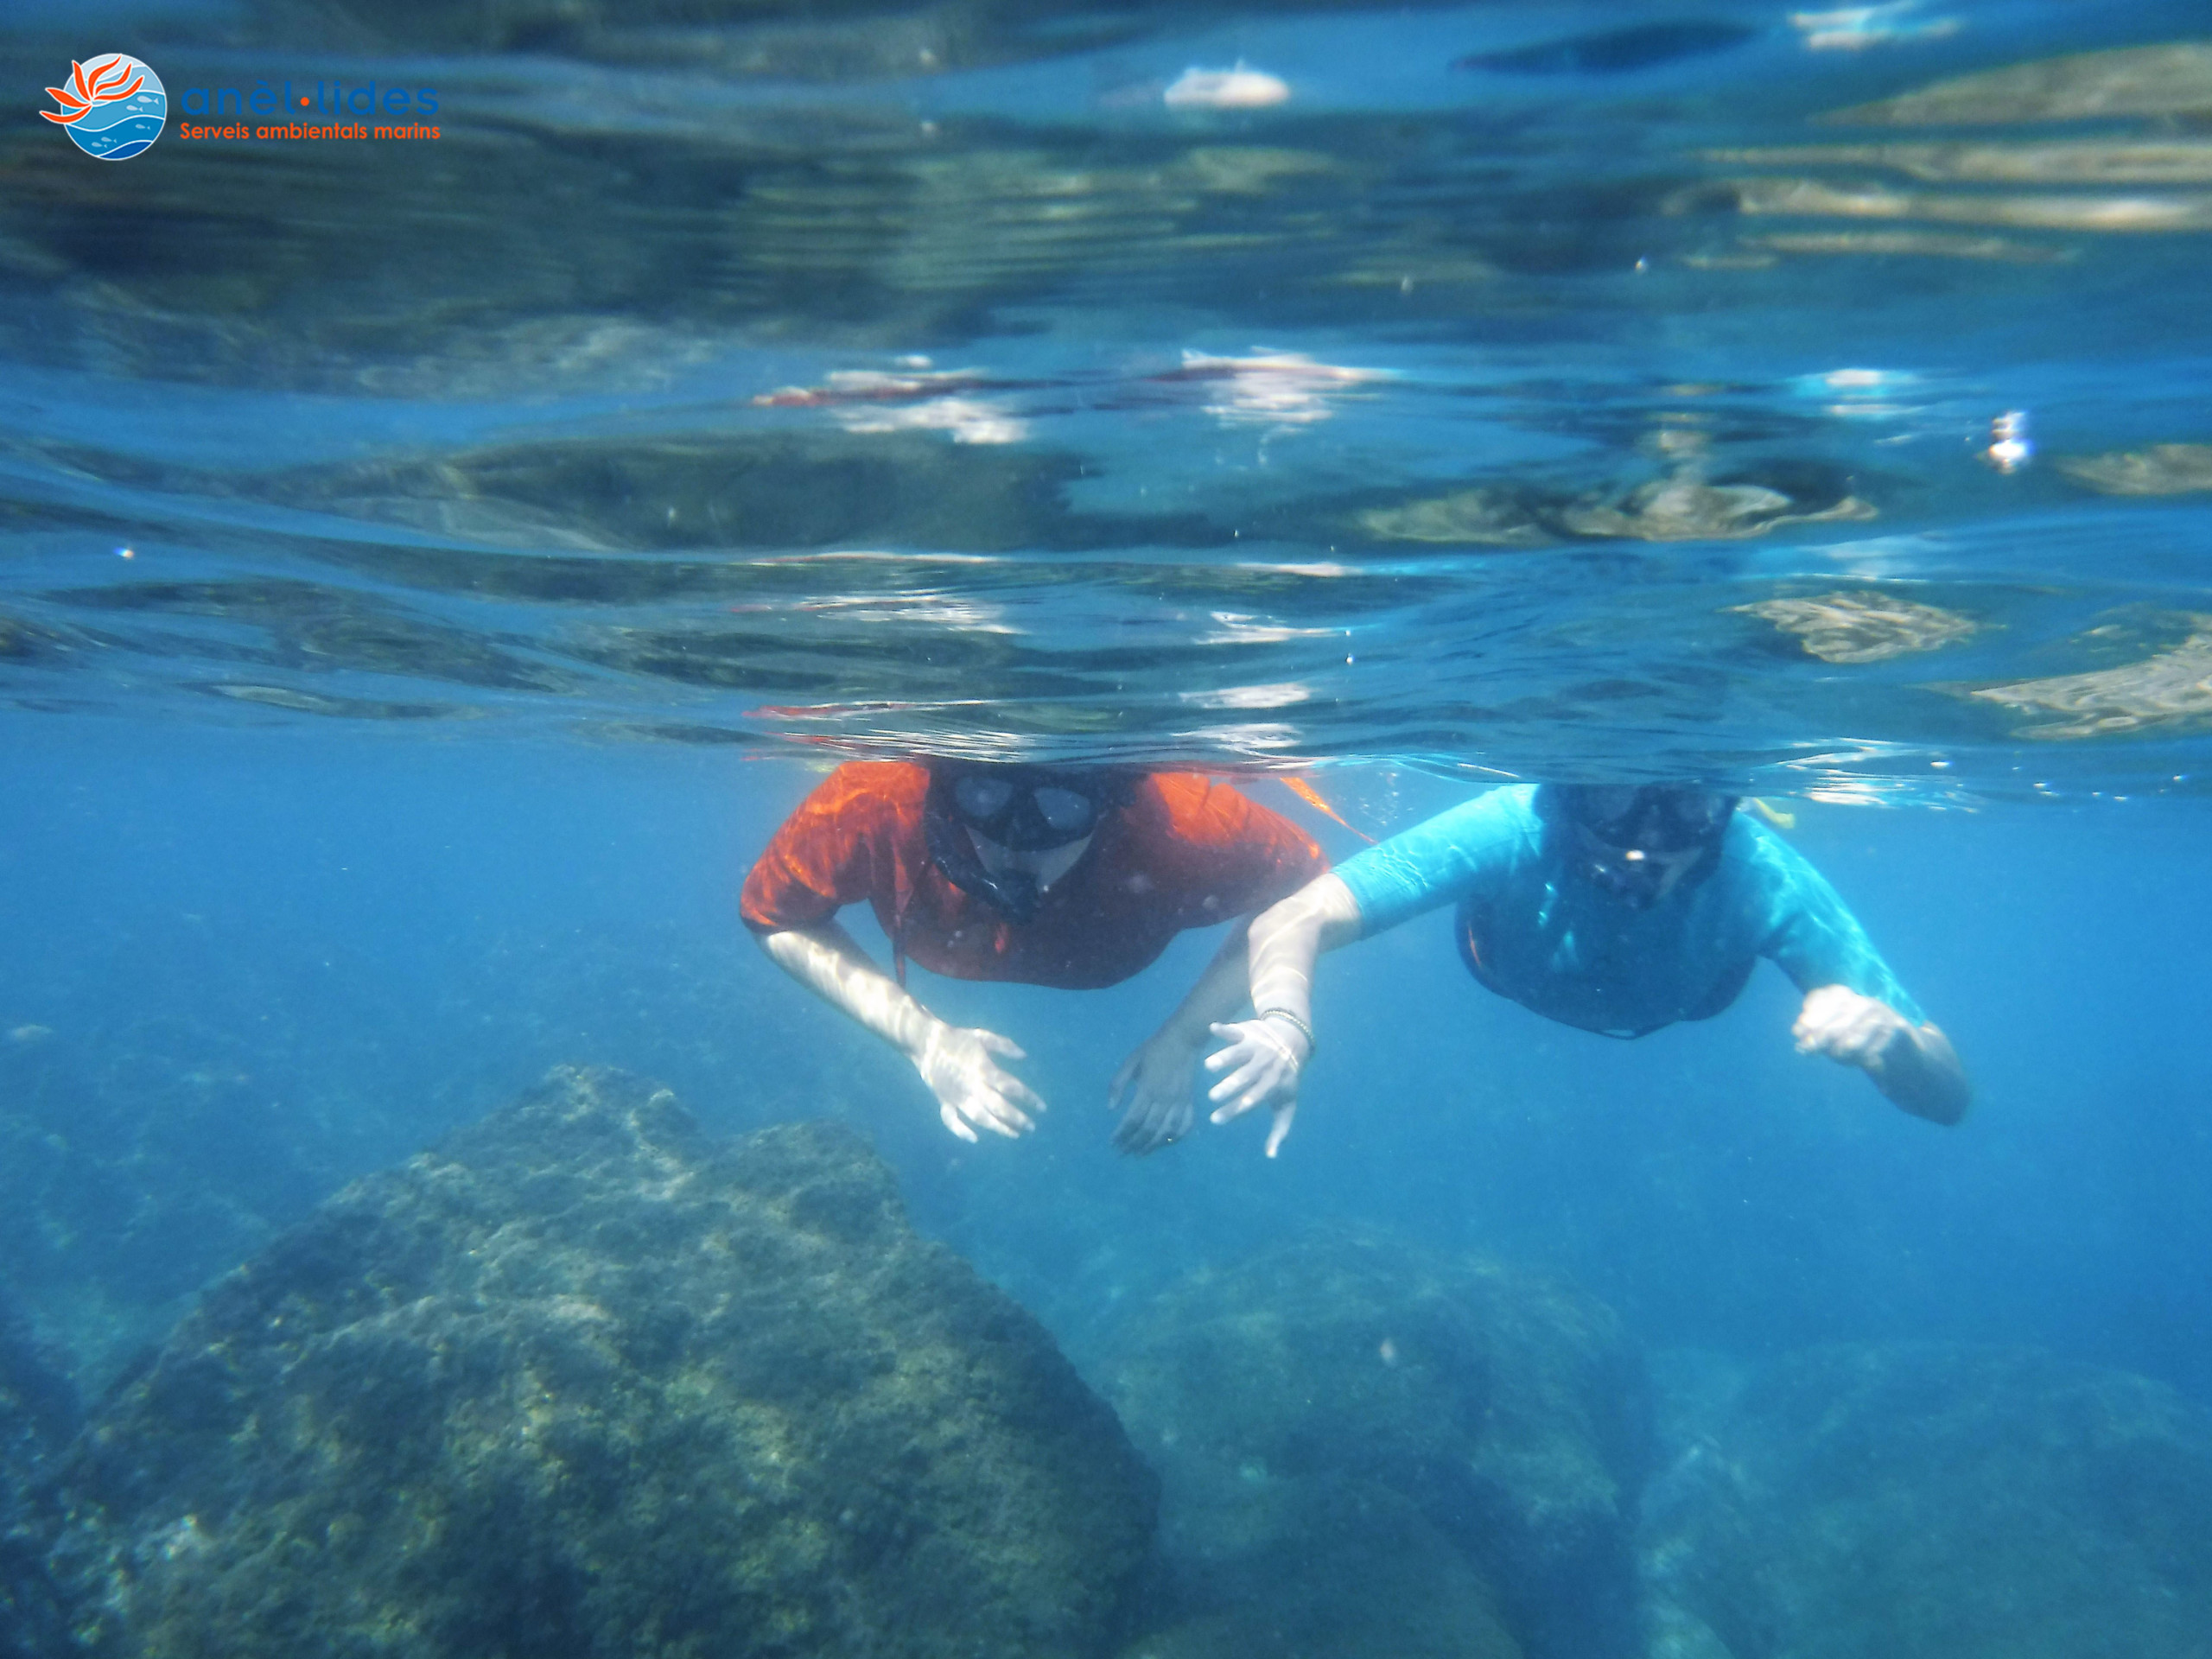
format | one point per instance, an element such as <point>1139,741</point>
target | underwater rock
<point>1328,1414</point>
<point>38,1415</point>
<point>2171,688</point>
<point>1759,250</point>
<point>581,1380</point>
<point>1683,507</point>
<point>1502,517</point>
<point>2168,87</point>
<point>1935,1501</point>
<point>1862,627</point>
<point>1316,1568</point>
<point>1689,509</point>
<point>2171,80</point>
<point>2161,469</point>
<point>1806,198</point>
<point>2073,160</point>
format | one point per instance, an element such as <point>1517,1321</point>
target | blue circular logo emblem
<point>112,107</point>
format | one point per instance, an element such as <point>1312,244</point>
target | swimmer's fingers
<point>1242,1090</point>
<point>996,1103</point>
<point>1261,1071</point>
<point>1015,1090</point>
<point>1847,1026</point>
<point>1152,1122</point>
<point>1154,1085</point>
<point>997,1044</point>
<point>1124,1075</point>
<point>982,1110</point>
<point>1828,1009</point>
<point>1007,1093</point>
<point>973,1091</point>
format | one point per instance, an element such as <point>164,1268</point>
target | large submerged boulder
<point>38,1414</point>
<point>579,1382</point>
<point>1440,1456</point>
<point>1935,1501</point>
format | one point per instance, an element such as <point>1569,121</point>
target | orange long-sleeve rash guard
<point>1184,852</point>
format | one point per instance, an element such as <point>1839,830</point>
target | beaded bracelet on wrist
<point>1304,1030</point>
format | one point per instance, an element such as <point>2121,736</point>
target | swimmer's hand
<point>1914,1065</point>
<point>970,1088</point>
<point>1263,1060</point>
<point>1155,1085</point>
<point>1850,1029</point>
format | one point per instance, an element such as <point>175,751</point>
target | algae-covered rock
<point>38,1413</point>
<point>1347,1401</point>
<point>1682,507</point>
<point>2169,688</point>
<point>2161,469</point>
<point>1861,627</point>
<point>580,1381</point>
<point>1937,1502</point>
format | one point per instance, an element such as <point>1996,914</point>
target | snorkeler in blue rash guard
<point>1617,910</point>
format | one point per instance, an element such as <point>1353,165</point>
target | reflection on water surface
<point>951,379</point>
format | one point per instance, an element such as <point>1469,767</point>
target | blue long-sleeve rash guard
<point>1532,930</point>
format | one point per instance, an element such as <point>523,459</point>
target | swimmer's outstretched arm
<point>1265,1053</point>
<point>1154,1083</point>
<point>1915,1066</point>
<point>957,1063</point>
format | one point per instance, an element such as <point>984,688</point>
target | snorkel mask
<point>1632,842</point>
<point>1022,809</point>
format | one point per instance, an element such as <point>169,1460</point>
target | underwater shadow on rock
<point>581,1381</point>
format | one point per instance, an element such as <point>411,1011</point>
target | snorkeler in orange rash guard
<point>1071,877</point>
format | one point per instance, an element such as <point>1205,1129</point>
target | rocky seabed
<point>582,1380</point>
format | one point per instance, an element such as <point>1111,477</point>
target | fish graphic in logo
<point>113,106</point>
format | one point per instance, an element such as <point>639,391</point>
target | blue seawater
<point>430,570</point>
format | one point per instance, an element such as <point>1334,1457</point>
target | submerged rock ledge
<point>582,1381</point>
<point>1370,1449</point>
<point>1934,1501</point>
